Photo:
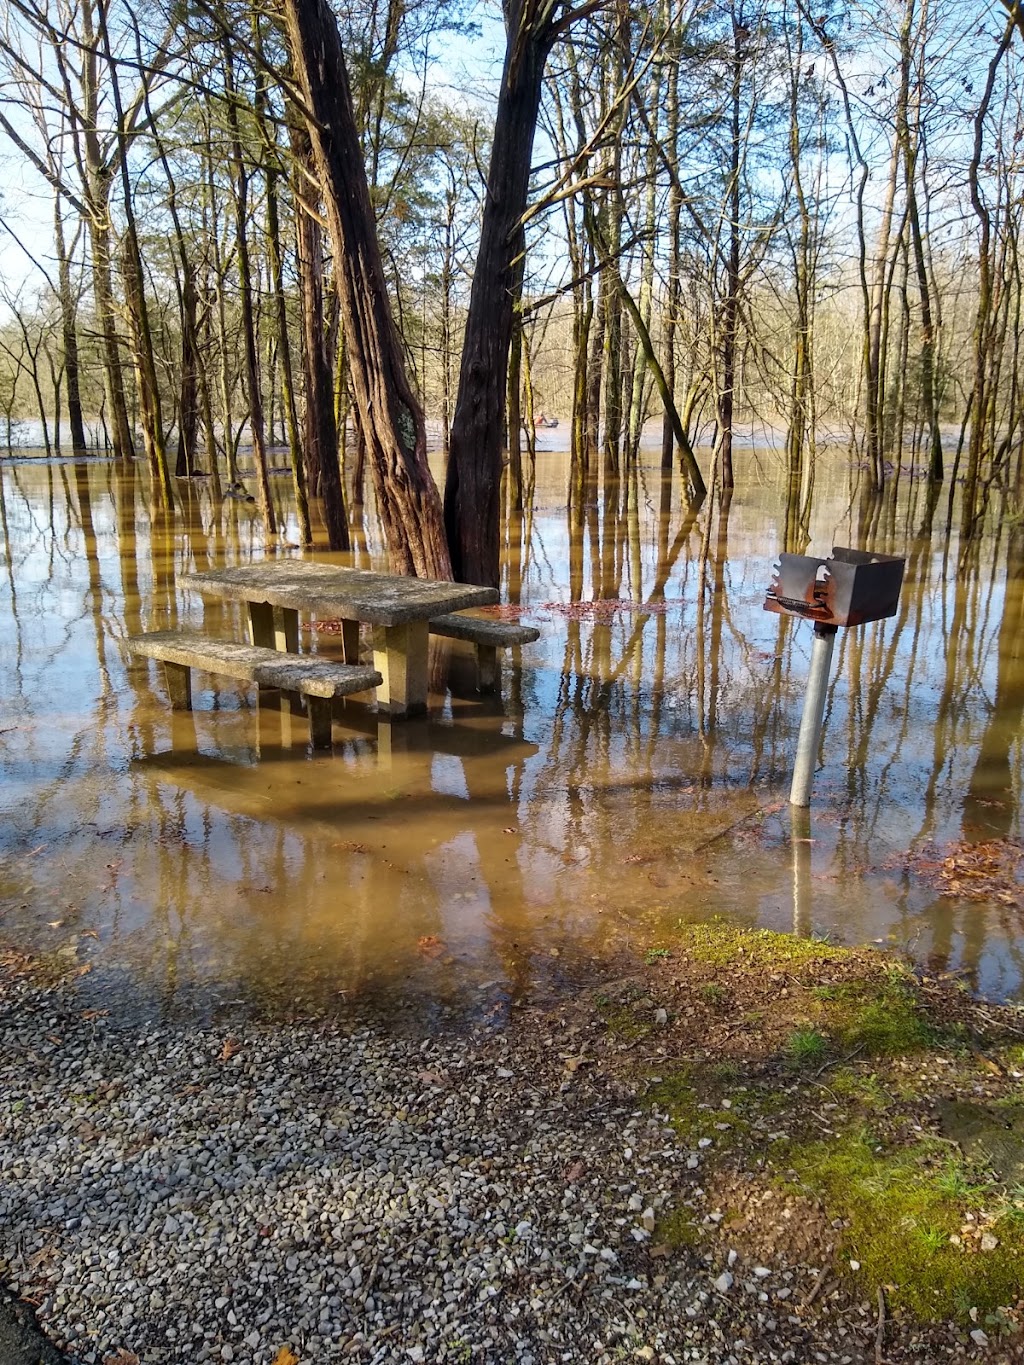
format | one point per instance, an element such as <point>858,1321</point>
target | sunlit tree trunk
<point>910,138</point>
<point>985,320</point>
<point>320,447</point>
<point>254,390</point>
<point>137,307</point>
<point>69,332</point>
<point>473,480</point>
<point>729,326</point>
<point>390,418</point>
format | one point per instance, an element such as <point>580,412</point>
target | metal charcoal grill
<point>849,588</point>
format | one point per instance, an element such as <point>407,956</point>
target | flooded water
<point>634,772</point>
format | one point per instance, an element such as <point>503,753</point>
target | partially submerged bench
<point>318,680</point>
<point>488,636</point>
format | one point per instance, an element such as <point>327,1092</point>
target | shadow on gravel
<point>21,1341</point>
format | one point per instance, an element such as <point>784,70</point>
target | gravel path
<point>324,1194</point>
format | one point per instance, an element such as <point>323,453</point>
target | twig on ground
<point>838,1061</point>
<point>880,1327</point>
<point>816,1287</point>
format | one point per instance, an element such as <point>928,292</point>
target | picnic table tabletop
<point>331,590</point>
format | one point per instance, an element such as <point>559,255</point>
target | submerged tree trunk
<point>135,300</point>
<point>98,181</point>
<point>390,416</point>
<point>320,446</point>
<point>252,363</point>
<point>730,306</point>
<point>69,332</point>
<point>472,489</point>
<point>910,137</point>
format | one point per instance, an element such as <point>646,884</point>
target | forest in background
<point>768,215</point>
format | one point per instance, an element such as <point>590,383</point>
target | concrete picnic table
<point>398,609</point>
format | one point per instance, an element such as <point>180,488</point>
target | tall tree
<point>473,483</point>
<point>391,420</point>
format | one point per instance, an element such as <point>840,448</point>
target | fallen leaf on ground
<point>122,1357</point>
<point>230,1048</point>
<point>285,1356</point>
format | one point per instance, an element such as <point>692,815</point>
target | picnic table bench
<point>318,680</point>
<point>488,636</point>
<point>401,612</point>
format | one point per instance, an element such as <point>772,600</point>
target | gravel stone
<point>354,1192</point>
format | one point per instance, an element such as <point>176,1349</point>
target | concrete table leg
<point>319,709</point>
<point>286,630</point>
<point>179,686</point>
<point>488,668</point>
<point>400,657</point>
<point>272,628</point>
<point>350,641</point>
<point>261,625</point>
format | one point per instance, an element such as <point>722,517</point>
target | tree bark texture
<point>252,363</point>
<point>69,333</point>
<point>473,487</point>
<point>320,443</point>
<point>390,416</point>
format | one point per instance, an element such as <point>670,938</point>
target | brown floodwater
<point>633,774</point>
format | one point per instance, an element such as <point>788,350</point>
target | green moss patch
<point>679,1229</point>
<point>940,1237</point>
<point>725,945</point>
<point>880,1018</point>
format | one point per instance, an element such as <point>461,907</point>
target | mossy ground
<point>819,1073</point>
<point>916,1215</point>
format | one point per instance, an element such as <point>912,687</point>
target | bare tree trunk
<point>252,360</point>
<point>98,179</point>
<point>135,298</point>
<point>673,289</point>
<point>984,321</point>
<point>390,417</point>
<point>188,390</point>
<point>272,174</point>
<point>515,410</point>
<point>730,307</point>
<point>472,488</point>
<point>910,139</point>
<point>69,332</point>
<point>320,448</point>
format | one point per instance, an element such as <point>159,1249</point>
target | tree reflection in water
<point>633,773</point>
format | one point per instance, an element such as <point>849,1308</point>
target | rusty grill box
<point>848,589</point>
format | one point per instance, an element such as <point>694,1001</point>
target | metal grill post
<point>809,740</point>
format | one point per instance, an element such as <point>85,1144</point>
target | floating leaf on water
<point>429,945</point>
<point>603,607</point>
<point>504,611</point>
<point>971,871</point>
